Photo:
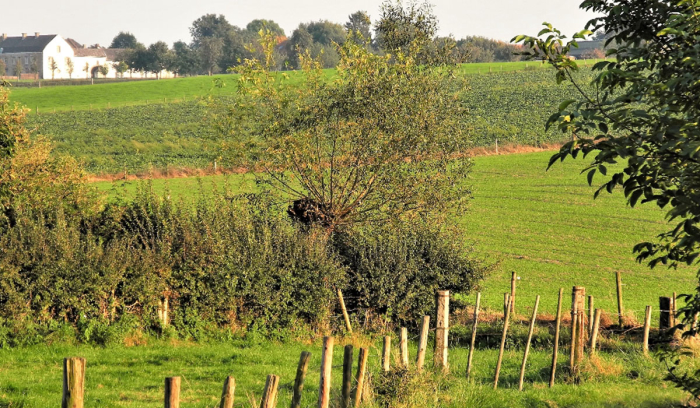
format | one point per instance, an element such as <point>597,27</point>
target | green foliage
<point>643,114</point>
<point>124,40</point>
<point>399,28</point>
<point>377,142</point>
<point>396,269</point>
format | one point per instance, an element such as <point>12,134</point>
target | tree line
<point>217,45</point>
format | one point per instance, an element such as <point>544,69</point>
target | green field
<point>510,107</point>
<point>544,225</point>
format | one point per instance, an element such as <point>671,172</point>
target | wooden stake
<point>513,281</point>
<point>674,309</point>
<point>324,388</point>
<point>572,358</point>
<point>557,331</point>
<point>473,340</point>
<point>647,326</point>
<point>386,354</point>
<point>594,332</point>
<point>506,320</point>
<point>227,393</point>
<point>527,345</point>
<point>422,342</point>
<point>665,313</point>
<point>361,373</point>
<point>403,347</point>
<point>591,315</point>
<point>73,382</point>
<point>347,377</point>
<point>618,279</point>
<point>442,327</point>
<point>506,304</point>
<point>172,392</point>
<point>299,380</point>
<point>269,397</point>
<point>346,317</point>
<point>578,299</point>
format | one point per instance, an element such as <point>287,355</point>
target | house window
<point>58,48</point>
<point>26,60</point>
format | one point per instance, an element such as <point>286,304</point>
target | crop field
<point>510,107</point>
<point>544,225</point>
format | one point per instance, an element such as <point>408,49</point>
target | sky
<point>99,21</point>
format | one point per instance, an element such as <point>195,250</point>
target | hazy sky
<point>152,20</point>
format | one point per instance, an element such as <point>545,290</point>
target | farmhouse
<point>50,56</point>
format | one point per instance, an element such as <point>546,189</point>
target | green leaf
<point>566,104</point>
<point>590,177</point>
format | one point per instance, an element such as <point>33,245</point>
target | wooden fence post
<point>347,376</point>
<point>594,332</point>
<point>647,326</point>
<point>228,393</point>
<point>442,327</point>
<point>513,281</point>
<point>665,313</point>
<point>346,317</point>
<point>73,382</point>
<point>506,320</point>
<point>172,392</point>
<point>527,345</point>
<point>506,304</point>
<point>578,331</point>
<point>361,373</point>
<point>403,347</point>
<point>674,309</point>
<point>422,342</point>
<point>473,340</point>
<point>324,388</point>
<point>591,315</point>
<point>386,354</point>
<point>556,339</point>
<point>620,310</point>
<point>269,397</point>
<point>300,377</point>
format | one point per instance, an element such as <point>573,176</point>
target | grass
<point>546,226</point>
<point>120,376</point>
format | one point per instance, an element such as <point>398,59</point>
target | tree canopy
<point>124,40</point>
<point>381,141</point>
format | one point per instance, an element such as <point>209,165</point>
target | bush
<point>396,269</point>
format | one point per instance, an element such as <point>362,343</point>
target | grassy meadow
<point>121,376</point>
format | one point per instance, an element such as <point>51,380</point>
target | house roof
<point>28,44</point>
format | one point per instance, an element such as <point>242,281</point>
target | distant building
<point>587,49</point>
<point>36,54</point>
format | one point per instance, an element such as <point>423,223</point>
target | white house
<point>37,54</point>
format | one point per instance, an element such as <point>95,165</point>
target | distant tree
<point>359,28</point>
<point>300,42</point>
<point>124,40</point>
<point>120,68</point>
<point>158,58</point>
<point>325,32</point>
<point>236,47</point>
<point>3,68</point>
<point>209,53</point>
<point>86,69</point>
<point>135,58</point>
<point>256,25</point>
<point>482,49</point>
<point>595,53</point>
<point>400,27</point>
<point>18,69</point>
<point>34,67</point>
<point>53,66</point>
<point>209,26</point>
<point>104,69</point>
<point>70,67</point>
<point>184,61</point>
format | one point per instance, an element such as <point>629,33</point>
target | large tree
<point>259,24</point>
<point>124,40</point>
<point>209,26</point>
<point>380,142</point>
<point>209,51</point>
<point>159,58</point>
<point>641,124</point>
<point>185,60</point>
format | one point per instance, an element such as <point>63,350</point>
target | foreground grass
<point>544,225</point>
<point>119,376</point>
